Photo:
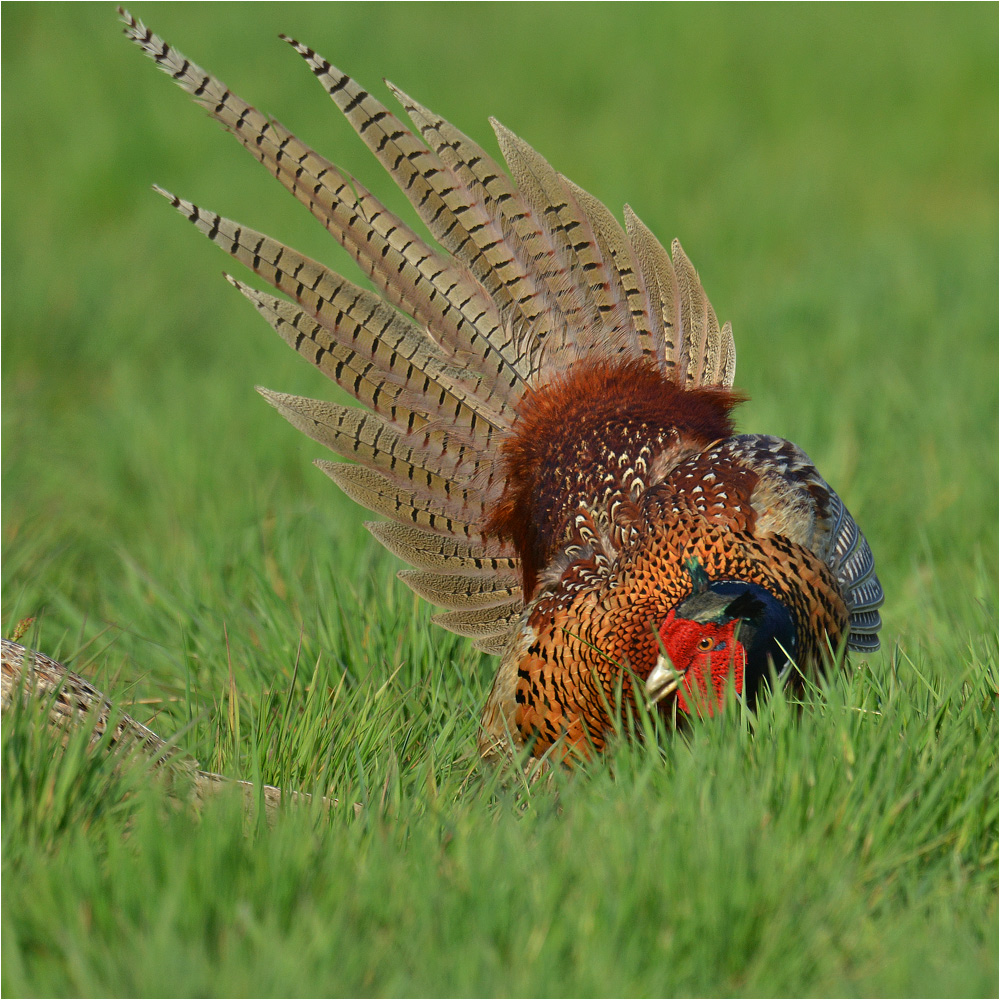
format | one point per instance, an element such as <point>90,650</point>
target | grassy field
<point>831,170</point>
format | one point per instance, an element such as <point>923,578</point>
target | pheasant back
<point>547,422</point>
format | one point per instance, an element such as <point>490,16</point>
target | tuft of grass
<point>832,172</point>
<point>812,854</point>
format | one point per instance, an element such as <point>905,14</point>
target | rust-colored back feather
<point>587,439</point>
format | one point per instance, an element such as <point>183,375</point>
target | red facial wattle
<point>707,655</point>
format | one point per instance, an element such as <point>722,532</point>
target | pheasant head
<point>726,633</point>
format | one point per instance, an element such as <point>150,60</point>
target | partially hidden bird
<point>547,428</point>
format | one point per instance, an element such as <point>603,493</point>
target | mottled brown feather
<point>570,434</point>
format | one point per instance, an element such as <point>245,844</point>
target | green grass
<point>832,173</point>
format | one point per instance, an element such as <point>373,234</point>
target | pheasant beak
<point>663,680</point>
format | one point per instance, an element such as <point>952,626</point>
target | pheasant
<point>548,428</point>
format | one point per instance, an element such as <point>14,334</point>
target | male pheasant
<point>548,428</point>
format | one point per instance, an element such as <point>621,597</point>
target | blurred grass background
<point>832,172</point>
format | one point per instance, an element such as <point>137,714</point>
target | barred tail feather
<point>535,276</point>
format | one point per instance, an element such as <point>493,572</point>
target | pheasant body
<point>548,427</point>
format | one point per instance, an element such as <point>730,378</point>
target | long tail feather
<point>537,275</point>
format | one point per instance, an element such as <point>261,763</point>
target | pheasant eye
<point>706,643</point>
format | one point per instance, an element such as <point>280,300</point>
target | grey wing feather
<point>792,499</point>
<point>482,622</point>
<point>458,593</point>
